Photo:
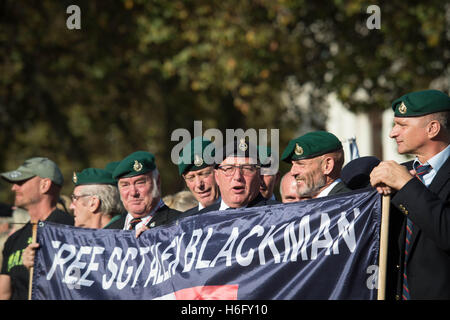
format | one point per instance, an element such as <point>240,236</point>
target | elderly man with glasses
<point>95,203</point>
<point>238,175</point>
<point>95,199</point>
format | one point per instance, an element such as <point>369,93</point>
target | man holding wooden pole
<point>37,185</point>
<point>421,193</point>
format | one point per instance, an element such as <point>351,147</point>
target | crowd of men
<point>127,195</point>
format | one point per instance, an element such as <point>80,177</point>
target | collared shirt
<point>224,206</point>
<point>200,206</point>
<point>436,163</point>
<point>327,190</point>
<point>145,219</point>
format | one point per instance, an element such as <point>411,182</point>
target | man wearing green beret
<point>95,203</point>
<point>95,199</point>
<point>420,192</point>
<point>237,173</point>
<point>140,191</point>
<point>37,185</point>
<point>317,159</point>
<point>196,166</point>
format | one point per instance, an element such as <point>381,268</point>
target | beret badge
<point>198,161</point>
<point>137,166</point>
<point>402,108</point>
<point>298,150</point>
<point>242,145</point>
<point>74,177</point>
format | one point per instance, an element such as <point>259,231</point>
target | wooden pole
<point>384,233</point>
<point>30,281</point>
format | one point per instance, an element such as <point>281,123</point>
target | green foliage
<point>137,70</point>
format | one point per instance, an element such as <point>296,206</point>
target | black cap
<point>239,147</point>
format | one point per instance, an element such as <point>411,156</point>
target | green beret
<point>137,163</point>
<point>264,155</point>
<point>93,176</point>
<point>195,155</point>
<point>239,147</point>
<point>111,166</point>
<point>311,145</point>
<point>420,103</point>
<point>269,161</point>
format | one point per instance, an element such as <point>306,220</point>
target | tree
<point>137,70</point>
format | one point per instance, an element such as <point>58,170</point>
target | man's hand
<point>141,230</point>
<point>388,176</point>
<point>28,255</point>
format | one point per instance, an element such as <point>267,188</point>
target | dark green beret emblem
<point>198,161</point>
<point>242,145</point>
<point>137,166</point>
<point>298,150</point>
<point>402,108</point>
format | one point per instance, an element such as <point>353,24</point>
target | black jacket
<point>163,215</point>
<point>257,202</point>
<point>428,264</point>
<point>339,188</point>
<point>12,254</point>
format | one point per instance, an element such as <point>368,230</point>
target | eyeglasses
<point>75,197</point>
<point>245,169</point>
<point>201,175</point>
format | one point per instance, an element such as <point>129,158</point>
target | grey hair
<point>443,118</point>
<point>109,198</point>
<point>156,192</point>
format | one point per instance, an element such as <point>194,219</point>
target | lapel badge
<point>152,224</point>
<point>242,145</point>
<point>402,109</point>
<point>137,166</point>
<point>198,161</point>
<point>298,150</point>
<point>74,177</point>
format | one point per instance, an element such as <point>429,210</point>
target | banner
<point>324,248</point>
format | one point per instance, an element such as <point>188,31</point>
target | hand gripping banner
<point>324,248</point>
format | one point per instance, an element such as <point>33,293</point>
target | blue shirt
<point>436,163</point>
